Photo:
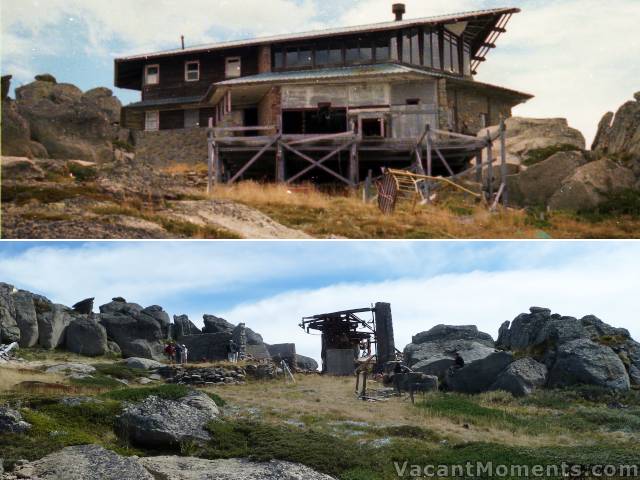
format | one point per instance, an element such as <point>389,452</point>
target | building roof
<point>357,72</point>
<point>439,19</point>
<point>161,102</point>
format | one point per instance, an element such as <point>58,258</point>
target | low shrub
<point>538,155</point>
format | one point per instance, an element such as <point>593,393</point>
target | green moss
<point>538,155</point>
<point>82,173</point>
<point>169,392</point>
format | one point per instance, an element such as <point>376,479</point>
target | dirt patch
<point>246,221</point>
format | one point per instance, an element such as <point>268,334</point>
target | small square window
<point>152,75</point>
<point>233,67</point>
<point>192,71</point>
<point>152,120</point>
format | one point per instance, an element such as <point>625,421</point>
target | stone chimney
<point>399,9</point>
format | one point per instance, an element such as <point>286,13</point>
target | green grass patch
<point>622,203</point>
<point>538,155</point>
<point>97,381</point>
<point>217,398</point>
<point>126,146</point>
<point>168,392</point>
<point>82,173</point>
<point>22,194</point>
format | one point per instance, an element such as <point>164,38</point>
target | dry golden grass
<point>454,216</point>
<point>324,399</point>
<point>184,168</point>
<point>11,377</point>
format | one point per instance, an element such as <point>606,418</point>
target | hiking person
<point>178,354</point>
<point>398,370</point>
<point>185,352</point>
<point>170,351</point>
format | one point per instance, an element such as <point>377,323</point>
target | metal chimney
<point>182,41</point>
<point>399,9</point>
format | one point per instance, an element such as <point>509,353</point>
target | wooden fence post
<point>210,153</point>
<point>429,162</point>
<point>489,166</point>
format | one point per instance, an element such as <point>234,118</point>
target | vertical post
<point>210,153</point>
<point>385,343</point>
<point>217,164</point>
<point>354,165</point>
<point>503,162</point>
<point>367,186</point>
<point>479,166</point>
<point>281,174</point>
<point>429,164</point>
<point>490,166</point>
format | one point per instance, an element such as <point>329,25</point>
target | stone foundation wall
<point>166,147</point>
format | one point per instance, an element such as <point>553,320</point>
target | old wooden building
<point>380,83</point>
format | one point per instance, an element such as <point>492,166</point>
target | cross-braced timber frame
<point>423,153</point>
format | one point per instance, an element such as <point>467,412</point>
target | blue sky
<point>271,285</point>
<point>576,56</point>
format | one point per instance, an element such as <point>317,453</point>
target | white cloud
<point>602,284</point>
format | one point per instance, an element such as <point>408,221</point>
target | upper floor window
<point>152,75</point>
<point>411,47</point>
<point>233,67</point>
<point>328,55</point>
<point>451,53</point>
<point>466,59</point>
<point>298,57</point>
<point>431,49</point>
<point>192,71</point>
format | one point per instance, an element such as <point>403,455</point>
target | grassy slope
<point>318,422</point>
<point>347,216</point>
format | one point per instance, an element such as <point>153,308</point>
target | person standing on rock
<point>185,352</point>
<point>170,352</point>
<point>232,351</point>
<point>178,354</point>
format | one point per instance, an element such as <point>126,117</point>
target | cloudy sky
<point>579,57</point>
<point>271,285</point>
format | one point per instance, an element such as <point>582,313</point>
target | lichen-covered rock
<point>52,326</point>
<point>433,352</point>
<point>619,134</point>
<point>84,462</point>
<point>479,376</point>
<point>137,332</point>
<point>213,324</point>
<point>68,123</point>
<point>142,363</point>
<point>11,421</point>
<point>85,336</point>
<point>527,135</point>
<point>190,468</point>
<point>306,363</point>
<point>26,318</point>
<point>9,330</point>
<point>183,326</point>
<point>158,422</point>
<point>521,377</point>
<point>71,369</point>
<point>591,184</point>
<point>537,184</point>
<point>582,361</point>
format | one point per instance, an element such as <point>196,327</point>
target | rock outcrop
<point>433,352</point>
<point>306,363</point>
<point>84,462</point>
<point>213,324</point>
<point>527,136</point>
<point>52,325</point>
<point>136,330</point>
<point>183,326</point>
<point>85,336</point>
<point>479,375</point>
<point>158,422</point>
<point>521,377</point>
<point>26,318</point>
<point>57,120</point>
<point>619,135</point>
<point>190,468</point>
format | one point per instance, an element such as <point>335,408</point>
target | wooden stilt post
<point>503,163</point>
<point>210,153</point>
<point>354,165</point>
<point>429,163</point>
<point>490,166</point>
<point>479,167</point>
<point>217,164</point>
<point>281,174</point>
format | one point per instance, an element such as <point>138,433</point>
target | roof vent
<point>399,9</point>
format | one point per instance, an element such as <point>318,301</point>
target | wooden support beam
<point>445,163</point>
<point>478,167</point>
<point>503,162</point>
<point>210,160</point>
<point>500,30</point>
<point>316,163</point>
<point>490,168</point>
<point>253,159</point>
<point>281,172</point>
<point>217,164</point>
<point>319,138</point>
<point>427,190</point>
<point>479,59</point>
<point>354,164</point>
<point>489,45</point>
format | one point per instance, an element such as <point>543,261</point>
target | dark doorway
<point>372,127</point>
<point>251,120</point>
<point>324,120</point>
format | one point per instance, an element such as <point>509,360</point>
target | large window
<point>296,57</point>
<point>451,53</point>
<point>466,59</point>
<point>359,50</point>
<point>152,75</point>
<point>152,120</point>
<point>383,49</point>
<point>192,71</point>
<point>411,47</point>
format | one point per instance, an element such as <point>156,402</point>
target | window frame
<point>229,60</point>
<point>186,70</point>
<point>146,74</point>
<point>156,113</point>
